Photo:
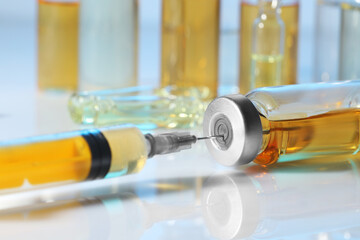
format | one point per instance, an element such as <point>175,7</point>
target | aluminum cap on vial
<point>236,119</point>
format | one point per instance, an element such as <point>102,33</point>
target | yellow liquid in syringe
<point>44,162</point>
<point>335,132</point>
<point>266,70</point>
<point>58,45</point>
<point>72,156</point>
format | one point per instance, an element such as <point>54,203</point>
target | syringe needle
<point>209,137</point>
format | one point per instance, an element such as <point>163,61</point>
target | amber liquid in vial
<point>58,45</point>
<point>288,62</point>
<point>335,132</point>
<point>190,37</point>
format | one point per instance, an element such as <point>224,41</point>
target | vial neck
<point>268,7</point>
<point>265,123</point>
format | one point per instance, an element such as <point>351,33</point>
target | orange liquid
<point>190,39</point>
<point>58,45</point>
<point>335,132</point>
<point>44,162</point>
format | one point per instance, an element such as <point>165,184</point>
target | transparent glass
<point>58,44</point>
<point>268,51</point>
<point>190,42</point>
<point>337,35</point>
<point>146,107</point>
<point>327,40</point>
<point>267,45</point>
<point>301,121</point>
<point>229,47</point>
<point>349,61</point>
<point>107,44</point>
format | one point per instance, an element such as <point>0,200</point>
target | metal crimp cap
<point>238,121</point>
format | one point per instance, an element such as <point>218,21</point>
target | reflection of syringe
<point>87,154</point>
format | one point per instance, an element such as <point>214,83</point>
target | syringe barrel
<point>72,156</point>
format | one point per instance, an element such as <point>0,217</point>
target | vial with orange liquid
<point>190,40</point>
<point>268,43</point>
<point>58,44</point>
<point>285,123</point>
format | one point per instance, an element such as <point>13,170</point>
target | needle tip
<point>209,137</point>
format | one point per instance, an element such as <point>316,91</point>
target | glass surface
<point>305,100</point>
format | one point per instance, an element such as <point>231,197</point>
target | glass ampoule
<point>285,123</point>
<point>267,46</point>
<point>58,44</point>
<point>190,42</point>
<point>268,43</point>
<point>147,107</point>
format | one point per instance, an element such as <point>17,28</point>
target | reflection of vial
<point>58,44</point>
<point>283,202</point>
<point>268,43</point>
<point>267,46</point>
<point>285,123</point>
<point>190,36</point>
<point>108,43</point>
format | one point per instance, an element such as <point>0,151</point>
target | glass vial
<point>327,40</point>
<point>337,34</point>
<point>349,64</point>
<point>268,43</point>
<point>229,47</point>
<point>285,123</point>
<point>58,44</point>
<point>190,41</point>
<point>108,44</point>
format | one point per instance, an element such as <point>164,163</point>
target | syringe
<point>84,155</point>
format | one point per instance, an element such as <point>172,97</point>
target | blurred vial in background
<point>58,44</point>
<point>337,55</point>
<point>229,48</point>
<point>327,40</point>
<point>190,42</point>
<point>349,64</point>
<point>268,43</point>
<point>108,44</point>
<point>267,46</point>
